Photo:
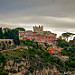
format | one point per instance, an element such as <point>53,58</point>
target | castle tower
<point>38,29</point>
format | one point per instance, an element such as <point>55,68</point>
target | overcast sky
<point>55,15</point>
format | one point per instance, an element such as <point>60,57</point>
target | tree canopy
<point>67,35</point>
<point>8,33</point>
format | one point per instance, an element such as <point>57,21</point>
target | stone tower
<point>38,29</point>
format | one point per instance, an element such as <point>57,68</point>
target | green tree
<point>67,35</point>
<point>61,43</point>
<point>20,28</point>
<point>64,52</point>
<point>2,72</point>
<point>1,34</point>
<point>2,58</point>
<point>15,36</point>
<point>7,33</point>
<point>6,29</point>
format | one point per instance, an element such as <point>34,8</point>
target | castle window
<point>56,52</point>
<point>49,41</point>
<point>53,41</point>
<point>49,37</point>
<point>33,37</point>
<point>52,36</point>
<point>42,37</point>
<point>38,37</point>
<point>9,42</point>
<point>29,36</point>
<point>5,41</point>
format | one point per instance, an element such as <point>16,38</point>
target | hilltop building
<point>38,35</point>
<point>38,29</point>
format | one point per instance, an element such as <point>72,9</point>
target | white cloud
<point>55,15</point>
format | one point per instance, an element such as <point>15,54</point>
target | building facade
<point>52,51</point>
<point>40,37</point>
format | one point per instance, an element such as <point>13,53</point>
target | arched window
<point>9,42</point>
<point>6,42</point>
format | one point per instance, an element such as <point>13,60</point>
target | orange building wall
<point>53,51</point>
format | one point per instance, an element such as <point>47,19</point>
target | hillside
<point>32,59</point>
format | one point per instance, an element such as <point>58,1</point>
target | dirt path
<point>11,49</point>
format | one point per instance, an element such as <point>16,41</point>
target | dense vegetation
<point>68,48</point>
<point>8,33</point>
<point>37,56</point>
<point>43,54</point>
<point>2,60</point>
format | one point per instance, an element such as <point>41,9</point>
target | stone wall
<point>6,43</point>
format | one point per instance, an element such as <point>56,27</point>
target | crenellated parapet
<point>38,29</point>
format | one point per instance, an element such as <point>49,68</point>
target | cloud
<point>54,15</point>
<point>47,21</point>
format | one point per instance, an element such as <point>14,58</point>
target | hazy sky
<point>55,15</point>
